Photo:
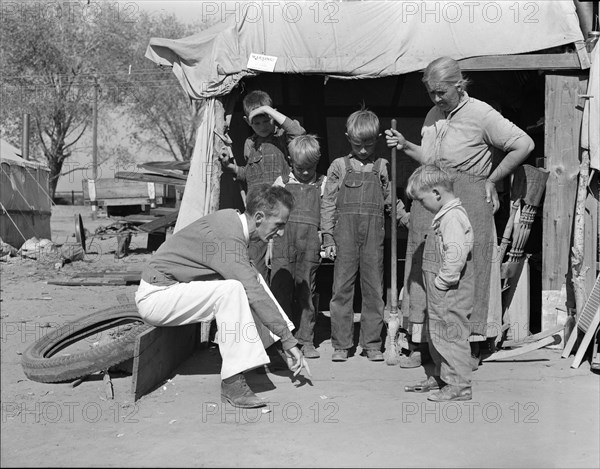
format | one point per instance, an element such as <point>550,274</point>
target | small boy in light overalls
<point>352,223</point>
<point>296,255</point>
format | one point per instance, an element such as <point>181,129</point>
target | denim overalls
<point>447,316</point>
<point>296,257</point>
<point>359,236</point>
<point>267,160</point>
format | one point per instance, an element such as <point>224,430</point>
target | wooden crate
<point>117,192</point>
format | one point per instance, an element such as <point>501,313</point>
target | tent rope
<point>16,189</point>
<point>41,187</point>
<point>13,222</point>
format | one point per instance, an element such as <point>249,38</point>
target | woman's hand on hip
<point>491,195</point>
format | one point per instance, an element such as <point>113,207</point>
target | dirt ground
<point>531,411</point>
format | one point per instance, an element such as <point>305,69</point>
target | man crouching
<point>203,272</point>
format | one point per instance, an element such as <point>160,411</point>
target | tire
<point>40,364</point>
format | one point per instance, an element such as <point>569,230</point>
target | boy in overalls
<point>449,284</point>
<point>296,255</point>
<point>265,154</point>
<point>352,223</point>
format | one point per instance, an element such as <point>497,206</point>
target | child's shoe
<point>309,351</point>
<point>373,355</point>
<point>339,355</point>
<point>451,393</point>
<point>430,384</point>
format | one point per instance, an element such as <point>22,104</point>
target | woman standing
<point>462,133</point>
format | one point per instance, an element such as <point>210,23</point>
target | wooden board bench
<point>158,352</point>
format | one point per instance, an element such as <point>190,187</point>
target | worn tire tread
<point>40,364</point>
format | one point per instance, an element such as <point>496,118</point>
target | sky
<point>185,10</point>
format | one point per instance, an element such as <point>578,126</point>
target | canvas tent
<point>25,204</point>
<point>320,57</point>
<point>342,40</point>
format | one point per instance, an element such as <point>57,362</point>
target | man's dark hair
<point>266,198</point>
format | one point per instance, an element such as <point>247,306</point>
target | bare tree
<point>155,99</point>
<point>51,62</point>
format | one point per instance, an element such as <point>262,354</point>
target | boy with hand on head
<point>352,223</point>
<point>449,284</point>
<point>265,153</point>
<point>296,255</point>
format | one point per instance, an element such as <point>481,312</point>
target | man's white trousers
<point>241,340</point>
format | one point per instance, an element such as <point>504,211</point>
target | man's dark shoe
<point>238,394</point>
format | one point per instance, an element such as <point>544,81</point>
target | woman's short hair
<point>444,70</point>
<point>305,149</point>
<point>266,198</point>
<point>362,125</point>
<point>427,177</point>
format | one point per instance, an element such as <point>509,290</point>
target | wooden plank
<point>562,130</point>
<point>166,165</point>
<point>534,338</point>
<point>105,274</point>
<point>88,283</point>
<point>165,169</point>
<point>146,177</point>
<point>503,354</point>
<point>159,223</point>
<point>127,201</point>
<point>582,54</point>
<point>554,307</point>
<point>567,61</point>
<point>158,352</point>
<point>516,301</point>
<point>590,238</point>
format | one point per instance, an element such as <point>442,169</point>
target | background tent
<point>25,204</point>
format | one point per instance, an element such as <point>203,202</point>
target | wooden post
<point>563,126</point>
<point>93,200</point>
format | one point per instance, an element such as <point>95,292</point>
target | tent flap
<point>357,39</point>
